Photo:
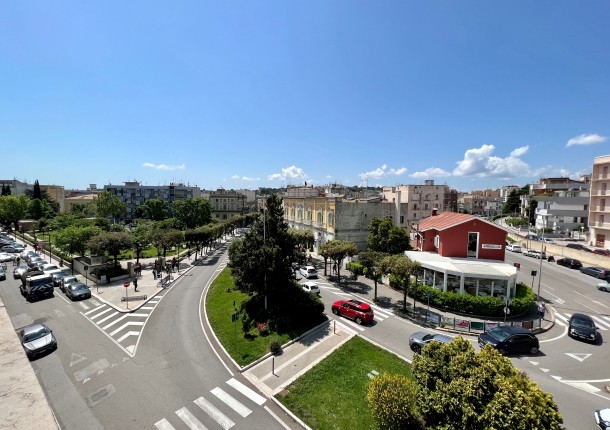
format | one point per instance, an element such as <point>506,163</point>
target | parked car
<point>353,309</point>
<point>67,280</point>
<point>513,247</point>
<point>78,291</point>
<point>603,286</point>
<point>548,240</point>
<point>58,277</point>
<point>49,267</point>
<point>34,261</point>
<point>10,249</point>
<point>2,274</point>
<point>37,339</point>
<point>5,257</point>
<point>311,287</point>
<point>420,339</point>
<point>18,271</point>
<point>308,272</point>
<point>582,327</point>
<point>572,263</point>
<point>602,418</point>
<point>27,254</point>
<point>510,339</point>
<point>597,272</point>
<point>578,246</point>
<point>602,252</point>
<point>535,254</point>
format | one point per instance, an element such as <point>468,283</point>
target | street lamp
<point>542,247</point>
<point>49,234</point>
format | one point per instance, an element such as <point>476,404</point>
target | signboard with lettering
<point>491,246</point>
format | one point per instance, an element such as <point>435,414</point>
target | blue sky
<point>242,94</point>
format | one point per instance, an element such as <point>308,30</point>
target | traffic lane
<point>181,366</point>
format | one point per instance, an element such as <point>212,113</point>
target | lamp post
<point>542,247</point>
<point>49,234</point>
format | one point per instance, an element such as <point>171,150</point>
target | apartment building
<point>564,212</point>
<point>227,203</point>
<point>133,194</point>
<point>599,212</point>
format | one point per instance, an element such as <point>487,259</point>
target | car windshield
<point>582,323</point>
<point>78,287</point>
<point>41,332</point>
<point>498,333</point>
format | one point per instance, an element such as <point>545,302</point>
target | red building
<point>451,234</point>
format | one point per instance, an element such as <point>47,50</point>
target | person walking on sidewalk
<point>135,284</point>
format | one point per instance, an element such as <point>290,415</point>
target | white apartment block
<point>599,211</point>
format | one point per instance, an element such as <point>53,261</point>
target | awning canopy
<point>491,269</point>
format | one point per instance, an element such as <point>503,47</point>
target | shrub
<point>356,268</point>
<point>263,328</point>
<point>246,323</point>
<point>275,345</point>
<point>392,399</point>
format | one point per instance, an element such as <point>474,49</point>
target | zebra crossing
<point>220,409</point>
<point>124,328</point>
<point>601,321</point>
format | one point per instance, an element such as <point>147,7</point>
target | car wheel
<point>533,350</point>
<point>416,348</point>
<point>603,289</point>
<point>335,311</point>
<point>358,320</point>
<point>502,351</point>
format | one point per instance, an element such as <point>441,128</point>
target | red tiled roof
<point>444,220</point>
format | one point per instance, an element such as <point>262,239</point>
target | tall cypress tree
<point>36,193</point>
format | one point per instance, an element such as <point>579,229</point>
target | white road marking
<point>107,317</point>
<point>189,419</point>
<point>164,425</point>
<point>601,324</point>
<point>76,358</point>
<point>92,317</point>
<point>277,418</point>
<point>246,391</point>
<point>353,324</point>
<point>83,305</point>
<point>95,302</point>
<point>585,387</point>
<point>115,321</point>
<point>581,303</point>
<point>214,413</point>
<point>131,349</point>
<point>231,402</point>
<point>578,356</point>
<point>382,311</point>
<point>378,317</point>
<point>600,303</point>
<point>126,335</point>
<point>344,294</point>
<point>127,324</point>
<point>93,310</point>
<point>147,308</point>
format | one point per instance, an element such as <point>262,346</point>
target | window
<point>473,245</point>
<point>320,218</point>
<point>308,213</point>
<point>402,219</point>
<point>437,241</point>
<point>331,218</point>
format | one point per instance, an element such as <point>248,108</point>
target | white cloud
<point>481,163</point>
<point>431,172</point>
<point>245,178</point>
<point>164,166</point>
<point>383,171</point>
<point>288,174</point>
<point>235,177</point>
<point>586,139</point>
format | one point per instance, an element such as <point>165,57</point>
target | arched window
<point>320,218</point>
<point>331,218</point>
<point>292,212</point>
<point>300,212</point>
<point>308,213</point>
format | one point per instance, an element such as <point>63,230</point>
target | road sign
<point>517,265</point>
<point>86,267</point>
<point>507,301</point>
<point>126,284</point>
<point>534,272</point>
<point>507,310</point>
<point>235,317</point>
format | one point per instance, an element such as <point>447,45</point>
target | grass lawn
<point>244,348</point>
<point>332,395</point>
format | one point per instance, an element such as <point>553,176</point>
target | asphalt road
<point>175,379</point>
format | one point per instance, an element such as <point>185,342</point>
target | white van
<point>308,272</point>
<point>513,247</point>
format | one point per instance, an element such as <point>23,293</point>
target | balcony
<point>598,224</point>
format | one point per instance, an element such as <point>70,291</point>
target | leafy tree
<point>13,209</point>
<point>83,209</point>
<point>192,213</point>
<point>371,260</point>
<point>39,209</point>
<point>142,234</point>
<point>386,237</point>
<point>513,203</point>
<point>155,209</point>
<point>262,261</point>
<point>111,243</point>
<point>163,239</point>
<point>109,205</point>
<point>337,250</point>
<point>393,402</point>
<point>459,389</point>
<point>73,239</point>
<point>304,238</point>
<point>402,268</point>
<point>6,190</point>
<point>531,211</point>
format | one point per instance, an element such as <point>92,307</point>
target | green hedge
<point>476,305</point>
<point>355,267</point>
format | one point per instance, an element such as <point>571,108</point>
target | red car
<point>353,309</point>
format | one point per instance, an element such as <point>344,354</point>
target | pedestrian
<point>154,270</point>
<point>18,261</point>
<point>135,283</point>
<point>174,263</point>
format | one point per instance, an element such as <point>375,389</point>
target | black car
<point>582,327</point>
<point>578,246</point>
<point>37,339</point>
<point>2,274</point>
<point>510,339</point>
<point>597,272</point>
<point>572,263</point>
<point>78,291</point>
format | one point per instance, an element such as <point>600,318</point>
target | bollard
<point>334,326</point>
<point>273,366</point>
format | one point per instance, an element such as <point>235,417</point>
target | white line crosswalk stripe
<point>101,313</point>
<point>246,391</point>
<point>83,305</point>
<point>231,402</point>
<point>189,419</point>
<point>164,425</point>
<point>561,319</point>
<point>107,318</point>
<point>601,324</point>
<point>93,310</point>
<point>224,421</point>
<point>352,324</point>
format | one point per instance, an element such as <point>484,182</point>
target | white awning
<point>491,269</point>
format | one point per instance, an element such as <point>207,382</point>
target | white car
<point>311,287</point>
<point>547,240</point>
<point>513,248</point>
<point>6,256</point>
<point>308,272</point>
<point>534,253</point>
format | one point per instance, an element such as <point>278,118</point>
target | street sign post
<point>126,285</point>
<point>507,303</point>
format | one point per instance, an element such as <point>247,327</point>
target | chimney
<point>434,211</point>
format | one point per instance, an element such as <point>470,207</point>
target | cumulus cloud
<point>383,171</point>
<point>164,166</point>
<point>481,162</point>
<point>586,139</point>
<point>431,172</point>
<point>288,174</point>
<point>245,178</point>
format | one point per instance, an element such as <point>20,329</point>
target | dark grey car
<point>78,291</point>
<point>582,327</point>
<point>37,339</point>
<point>420,339</point>
<point>598,272</point>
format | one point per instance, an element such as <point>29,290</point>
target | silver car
<point>420,339</point>
<point>37,339</point>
